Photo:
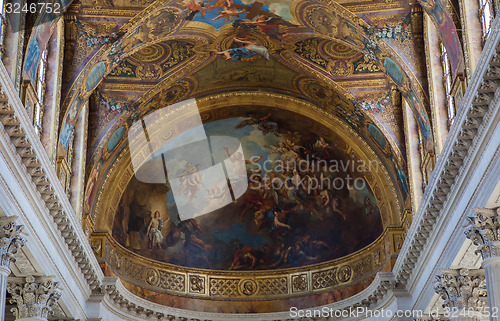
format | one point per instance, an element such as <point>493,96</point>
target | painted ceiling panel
<point>288,79</point>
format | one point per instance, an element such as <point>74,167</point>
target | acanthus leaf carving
<point>484,231</point>
<point>462,289</point>
<point>35,297</point>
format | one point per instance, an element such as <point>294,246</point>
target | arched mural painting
<point>255,17</point>
<point>251,34</point>
<point>248,34</point>
<point>307,201</point>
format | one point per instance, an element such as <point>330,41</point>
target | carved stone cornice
<point>35,297</point>
<point>462,289</point>
<point>11,240</point>
<point>470,124</point>
<point>16,127</point>
<point>484,231</point>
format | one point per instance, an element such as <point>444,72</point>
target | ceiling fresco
<point>269,18</point>
<point>293,48</point>
<point>265,27</point>
<point>306,201</point>
<point>258,46</point>
<point>336,74</point>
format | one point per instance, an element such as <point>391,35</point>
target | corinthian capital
<point>35,297</point>
<point>462,289</point>
<point>484,231</point>
<point>10,240</point>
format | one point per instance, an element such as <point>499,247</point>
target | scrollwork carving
<point>484,231</point>
<point>462,289</point>
<point>196,284</point>
<point>10,240</point>
<point>299,283</point>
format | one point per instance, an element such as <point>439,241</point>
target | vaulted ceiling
<point>338,69</point>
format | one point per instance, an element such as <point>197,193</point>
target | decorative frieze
<point>35,297</point>
<point>243,285</point>
<point>11,240</point>
<point>484,231</point>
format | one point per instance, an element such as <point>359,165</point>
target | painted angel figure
<point>221,4</point>
<point>237,170</point>
<point>195,7</point>
<point>228,14</point>
<point>264,124</point>
<point>321,148</point>
<point>270,26</point>
<point>191,180</point>
<point>217,196</point>
<point>249,49</point>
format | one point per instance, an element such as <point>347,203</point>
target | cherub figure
<point>228,14</point>
<point>221,4</point>
<point>195,7</point>
<point>191,180</point>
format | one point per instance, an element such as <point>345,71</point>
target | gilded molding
<point>473,115</point>
<point>244,285</point>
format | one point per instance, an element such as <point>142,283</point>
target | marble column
<point>484,232</point>
<point>10,242</point>
<point>35,297</point>
<point>463,292</point>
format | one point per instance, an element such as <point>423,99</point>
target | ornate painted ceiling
<point>332,72</point>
